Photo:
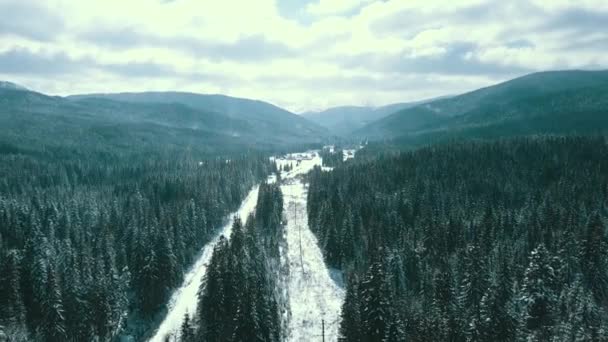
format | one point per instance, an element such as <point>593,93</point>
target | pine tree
<point>350,316</point>
<point>472,288</point>
<point>538,320</point>
<point>34,277</point>
<point>213,303</point>
<point>595,253</point>
<point>12,310</point>
<point>167,265</point>
<point>53,321</point>
<point>187,331</point>
<point>375,303</point>
<point>494,323</point>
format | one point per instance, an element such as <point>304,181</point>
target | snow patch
<point>314,296</point>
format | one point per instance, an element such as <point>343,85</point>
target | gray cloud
<point>594,44</point>
<point>519,44</point>
<point>250,48</point>
<point>577,19</point>
<point>118,38</point>
<point>139,69</point>
<point>25,62</point>
<point>253,48</point>
<point>577,29</point>
<point>494,11</point>
<point>459,59</point>
<point>409,22</point>
<point>24,19</point>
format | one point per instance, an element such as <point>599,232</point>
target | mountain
<point>32,122</point>
<point>264,119</point>
<point>556,102</point>
<point>11,86</point>
<point>345,119</point>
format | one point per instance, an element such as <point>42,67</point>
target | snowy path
<point>185,299</point>
<point>314,296</point>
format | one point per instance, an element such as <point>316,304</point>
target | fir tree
<point>375,303</point>
<point>539,301</point>
<point>350,316</point>
<point>53,320</point>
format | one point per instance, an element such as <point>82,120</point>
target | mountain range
<point>170,120</point>
<point>556,102</point>
<point>344,120</point>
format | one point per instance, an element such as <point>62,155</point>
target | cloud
<point>26,62</point>
<point>118,37</point>
<point>29,20</point>
<point>333,7</point>
<point>458,58</point>
<point>22,61</point>
<point>250,48</point>
<point>519,43</point>
<point>577,19</point>
<point>301,54</point>
<point>138,69</point>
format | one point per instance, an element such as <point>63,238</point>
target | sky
<point>298,54</point>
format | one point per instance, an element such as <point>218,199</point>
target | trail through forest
<point>185,298</point>
<point>315,300</point>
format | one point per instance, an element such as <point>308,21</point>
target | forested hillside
<point>30,121</point>
<point>556,102</point>
<point>92,244</point>
<point>242,118</point>
<point>498,241</point>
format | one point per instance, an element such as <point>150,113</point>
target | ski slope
<point>314,298</point>
<point>185,299</point>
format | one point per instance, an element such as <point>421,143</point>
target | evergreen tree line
<point>91,247</point>
<point>495,241</point>
<point>239,299</point>
<point>332,159</point>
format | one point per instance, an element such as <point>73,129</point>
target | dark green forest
<point>484,221</point>
<point>240,299</point>
<point>471,241</point>
<point>92,243</point>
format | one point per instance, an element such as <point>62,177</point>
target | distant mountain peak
<point>11,86</point>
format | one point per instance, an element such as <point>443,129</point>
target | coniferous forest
<point>184,217</point>
<point>303,171</point>
<point>93,247</point>
<point>240,299</point>
<point>494,241</point>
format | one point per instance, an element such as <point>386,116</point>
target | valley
<point>314,298</point>
<point>186,217</point>
<point>303,171</point>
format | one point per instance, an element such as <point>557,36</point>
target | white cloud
<point>346,52</point>
<point>332,7</point>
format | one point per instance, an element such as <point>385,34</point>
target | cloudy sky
<point>299,54</point>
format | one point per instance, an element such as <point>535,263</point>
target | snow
<point>184,299</point>
<point>348,154</point>
<point>314,296</point>
<point>307,161</point>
